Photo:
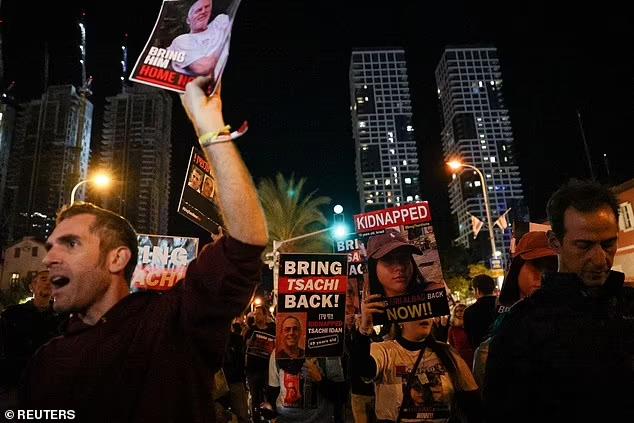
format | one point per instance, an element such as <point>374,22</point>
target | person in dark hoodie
<point>565,353</point>
<point>479,316</point>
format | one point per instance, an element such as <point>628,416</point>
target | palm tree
<point>289,213</point>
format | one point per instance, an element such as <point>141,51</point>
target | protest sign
<point>162,262</point>
<point>261,344</point>
<point>311,306</point>
<point>356,268</point>
<point>190,38</point>
<point>198,196</point>
<point>428,296</point>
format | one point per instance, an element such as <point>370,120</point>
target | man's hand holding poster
<point>311,305</point>
<point>403,263</point>
<point>190,39</point>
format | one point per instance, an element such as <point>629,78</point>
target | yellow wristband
<point>212,137</point>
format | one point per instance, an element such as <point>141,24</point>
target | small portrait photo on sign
<point>291,335</point>
<point>209,187</point>
<point>195,178</point>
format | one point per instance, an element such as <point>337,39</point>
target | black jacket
<point>564,354</point>
<point>478,317</point>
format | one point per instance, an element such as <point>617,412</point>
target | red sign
<point>396,216</point>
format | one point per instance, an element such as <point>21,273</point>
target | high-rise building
<point>135,147</point>
<point>7,126</point>
<point>386,157</point>
<point>477,130</point>
<point>49,156</point>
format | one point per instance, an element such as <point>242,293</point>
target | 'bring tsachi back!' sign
<point>311,305</point>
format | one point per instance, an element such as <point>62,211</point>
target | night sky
<point>288,76</point>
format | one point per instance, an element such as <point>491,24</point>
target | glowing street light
<point>457,165</point>
<point>100,180</point>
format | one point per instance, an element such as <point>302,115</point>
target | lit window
<point>504,147</point>
<point>481,136</point>
<point>476,183</point>
<point>408,180</point>
<point>417,197</point>
<point>391,151</point>
<point>387,182</point>
<point>480,84</point>
<point>492,159</point>
<point>369,201</point>
<point>376,182</point>
<point>410,198</point>
<point>484,147</point>
<point>486,158</point>
<point>404,162</point>
<point>410,128</point>
<point>361,124</point>
<point>488,176</point>
<point>393,167</point>
<point>482,141</point>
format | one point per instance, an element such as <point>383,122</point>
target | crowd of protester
<point>556,343</point>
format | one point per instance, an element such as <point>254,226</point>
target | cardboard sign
<point>198,196</point>
<point>311,305</point>
<point>162,262</point>
<point>428,297</point>
<point>190,38</point>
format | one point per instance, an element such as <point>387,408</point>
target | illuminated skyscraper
<point>136,149</point>
<point>477,130</point>
<point>49,156</point>
<point>386,157</point>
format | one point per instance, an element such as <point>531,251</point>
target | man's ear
<point>118,259</point>
<point>553,241</point>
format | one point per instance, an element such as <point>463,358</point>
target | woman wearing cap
<point>533,257</point>
<point>391,268</point>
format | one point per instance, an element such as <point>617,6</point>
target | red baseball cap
<point>385,243</point>
<point>534,245</point>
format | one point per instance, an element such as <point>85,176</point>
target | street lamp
<point>456,165</point>
<point>100,180</point>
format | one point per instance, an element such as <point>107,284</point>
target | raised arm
<point>238,199</point>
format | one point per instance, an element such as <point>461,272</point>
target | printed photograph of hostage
<point>291,340</point>
<point>393,271</point>
<point>195,179</point>
<point>208,188</point>
<point>204,48</point>
<point>190,38</point>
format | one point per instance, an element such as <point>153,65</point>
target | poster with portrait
<point>198,196</point>
<point>427,294</point>
<point>162,261</point>
<point>311,305</point>
<point>190,38</point>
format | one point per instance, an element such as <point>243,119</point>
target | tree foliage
<point>291,213</point>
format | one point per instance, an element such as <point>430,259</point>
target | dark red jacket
<point>152,356</point>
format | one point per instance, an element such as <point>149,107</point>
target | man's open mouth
<point>59,281</point>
